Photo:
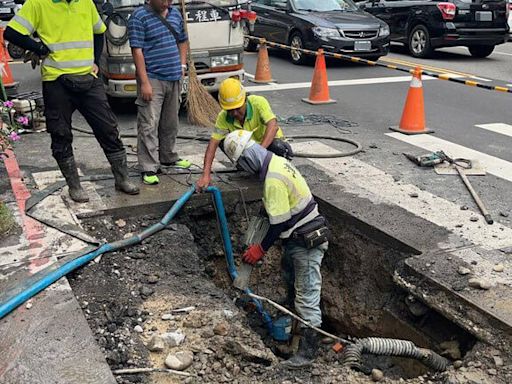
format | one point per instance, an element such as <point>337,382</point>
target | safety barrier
<point>354,59</point>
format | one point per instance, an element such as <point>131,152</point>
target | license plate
<point>483,16</point>
<point>5,10</point>
<point>362,45</point>
<point>130,88</point>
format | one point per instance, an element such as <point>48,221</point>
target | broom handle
<point>185,23</point>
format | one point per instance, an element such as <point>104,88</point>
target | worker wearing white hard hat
<point>294,217</point>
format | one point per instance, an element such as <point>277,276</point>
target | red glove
<point>253,254</point>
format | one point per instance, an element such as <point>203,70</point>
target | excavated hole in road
<point>184,265</point>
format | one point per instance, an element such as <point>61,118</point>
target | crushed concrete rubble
<point>189,321</point>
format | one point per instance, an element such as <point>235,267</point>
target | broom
<point>201,106</point>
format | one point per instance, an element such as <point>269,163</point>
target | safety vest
<point>286,195</point>
<point>67,29</point>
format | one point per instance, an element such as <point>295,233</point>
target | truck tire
<point>296,41</point>
<point>249,45</point>
<point>481,50</point>
<point>418,42</point>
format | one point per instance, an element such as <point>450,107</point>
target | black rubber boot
<point>119,167</point>
<point>70,173</point>
<point>306,353</point>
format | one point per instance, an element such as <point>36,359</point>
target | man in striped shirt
<point>160,60</point>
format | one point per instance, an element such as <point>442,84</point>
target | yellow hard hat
<point>231,94</point>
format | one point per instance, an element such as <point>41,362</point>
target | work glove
<point>36,58</point>
<point>253,254</point>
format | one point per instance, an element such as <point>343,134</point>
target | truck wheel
<point>296,41</point>
<point>481,50</point>
<point>419,42</point>
<point>249,45</point>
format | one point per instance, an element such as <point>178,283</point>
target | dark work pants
<point>279,147</point>
<point>60,103</point>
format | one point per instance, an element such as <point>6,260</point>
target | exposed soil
<point>184,266</point>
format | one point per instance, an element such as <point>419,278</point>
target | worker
<point>294,217</point>
<point>160,58</point>
<point>71,42</point>
<point>250,113</point>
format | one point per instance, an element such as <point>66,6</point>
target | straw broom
<point>201,106</point>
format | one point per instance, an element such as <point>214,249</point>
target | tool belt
<point>77,83</point>
<point>312,234</point>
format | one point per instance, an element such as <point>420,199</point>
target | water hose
<point>43,279</point>
<point>391,347</point>
<point>357,145</point>
<point>228,250</point>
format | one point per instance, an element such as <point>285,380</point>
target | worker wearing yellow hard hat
<point>241,112</point>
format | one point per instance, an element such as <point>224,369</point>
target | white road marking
<point>494,165</point>
<point>502,53</point>
<point>357,177</point>
<point>249,75</point>
<point>480,78</point>
<point>504,129</point>
<point>334,83</point>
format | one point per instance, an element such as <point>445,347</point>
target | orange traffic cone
<point>263,73</point>
<point>2,42</point>
<point>413,116</point>
<point>319,92</point>
<point>5,71</point>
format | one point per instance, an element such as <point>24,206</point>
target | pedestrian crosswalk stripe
<point>494,165</point>
<point>359,178</point>
<point>504,129</point>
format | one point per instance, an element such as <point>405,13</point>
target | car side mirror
<point>107,9</point>
<point>283,6</point>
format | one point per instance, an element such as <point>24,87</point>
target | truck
<point>216,34</point>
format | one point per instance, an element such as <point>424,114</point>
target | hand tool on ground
<point>256,231</point>
<point>434,158</point>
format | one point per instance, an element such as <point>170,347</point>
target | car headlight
<point>223,61</point>
<point>121,69</point>
<point>327,33</point>
<point>384,31</point>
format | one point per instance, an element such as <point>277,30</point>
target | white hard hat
<point>236,142</point>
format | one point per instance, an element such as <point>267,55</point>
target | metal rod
<point>288,312</point>
<point>132,371</point>
<point>478,201</point>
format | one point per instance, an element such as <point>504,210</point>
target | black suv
<point>423,25</point>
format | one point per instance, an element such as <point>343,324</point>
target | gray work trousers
<point>157,125</point>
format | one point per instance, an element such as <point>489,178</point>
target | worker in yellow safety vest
<point>294,217</point>
<point>71,42</point>
<point>250,113</point>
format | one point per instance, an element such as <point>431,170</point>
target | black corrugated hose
<point>391,347</point>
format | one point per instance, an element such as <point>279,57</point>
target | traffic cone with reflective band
<point>263,73</point>
<point>5,71</point>
<point>413,116</point>
<point>319,92</point>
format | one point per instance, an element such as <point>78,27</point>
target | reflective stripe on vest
<point>24,22</point>
<point>67,64</point>
<point>70,45</point>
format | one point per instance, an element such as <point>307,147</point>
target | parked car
<point>335,25</point>
<point>423,26</point>
<point>510,16</point>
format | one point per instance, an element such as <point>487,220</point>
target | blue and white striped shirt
<point>161,53</point>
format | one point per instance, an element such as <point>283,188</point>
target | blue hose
<point>49,278</point>
<point>228,249</point>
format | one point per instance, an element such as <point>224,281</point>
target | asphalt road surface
<point>468,121</point>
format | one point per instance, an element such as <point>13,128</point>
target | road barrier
<point>354,59</point>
